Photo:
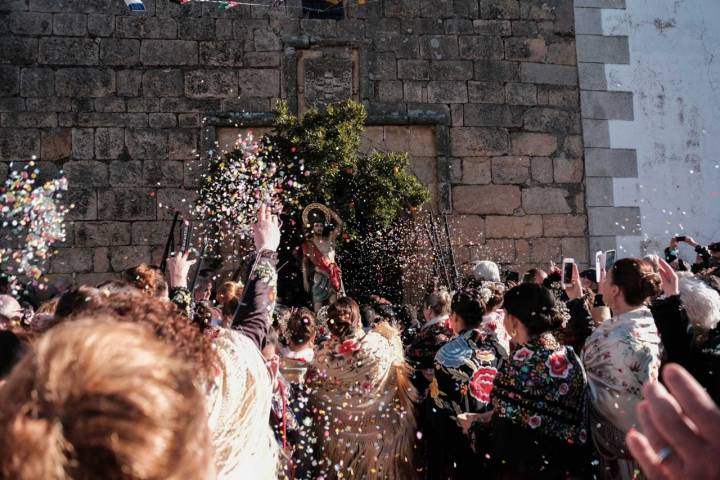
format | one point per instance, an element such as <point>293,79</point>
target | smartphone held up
<point>567,271</point>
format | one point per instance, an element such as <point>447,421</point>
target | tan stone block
<point>422,141</point>
<point>122,258</point>
<point>510,170</point>
<point>56,144</point>
<point>397,138</point>
<point>544,250</point>
<point>573,146</point>
<point>486,199</point>
<point>72,260</point>
<point>568,170</point>
<point>476,170</point>
<point>528,226</point>
<point>546,200</point>
<point>456,170</point>
<point>576,248</point>
<point>425,168</point>
<point>542,169</point>
<point>101,259</point>
<point>478,141</point>
<point>372,139</point>
<point>94,279</point>
<point>564,225</point>
<point>522,253</point>
<point>466,229</point>
<point>499,251</point>
<point>533,144</point>
<point>562,53</point>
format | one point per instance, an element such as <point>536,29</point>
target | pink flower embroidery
<point>481,383</point>
<point>347,348</point>
<point>564,389</point>
<point>534,421</point>
<point>558,364</point>
<point>523,354</point>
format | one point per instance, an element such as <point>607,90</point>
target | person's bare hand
<point>691,241</point>
<point>669,278</point>
<point>682,418</point>
<point>575,290</point>
<point>266,230</point>
<point>178,267</point>
<point>674,243</point>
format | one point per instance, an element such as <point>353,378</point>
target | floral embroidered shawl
<point>362,399</point>
<point>465,368</point>
<point>542,386</point>
<point>619,357</point>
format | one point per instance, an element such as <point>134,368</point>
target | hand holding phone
<point>567,271</point>
<point>609,259</point>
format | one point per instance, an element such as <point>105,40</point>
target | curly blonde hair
<point>103,399</point>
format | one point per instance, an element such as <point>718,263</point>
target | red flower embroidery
<point>534,421</point>
<point>481,383</point>
<point>347,348</point>
<point>523,354</point>
<point>558,364</point>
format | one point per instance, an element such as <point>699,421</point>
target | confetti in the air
<point>33,219</point>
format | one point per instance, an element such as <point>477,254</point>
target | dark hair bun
<point>301,326</point>
<point>637,280</point>
<point>468,303</point>
<point>343,317</point>
<point>534,305</point>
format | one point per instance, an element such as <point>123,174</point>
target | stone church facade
<point>484,94</point>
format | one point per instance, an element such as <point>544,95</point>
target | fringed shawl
<point>363,402</point>
<point>239,405</point>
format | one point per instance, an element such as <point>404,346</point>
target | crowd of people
<point>608,375</point>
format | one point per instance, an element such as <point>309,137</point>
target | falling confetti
<point>34,219</point>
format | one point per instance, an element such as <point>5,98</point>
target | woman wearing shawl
<point>361,398</point>
<point>465,368</point>
<point>538,425</point>
<point>620,356</point>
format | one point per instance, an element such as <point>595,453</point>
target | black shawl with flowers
<point>539,421</point>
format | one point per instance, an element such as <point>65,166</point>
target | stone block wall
<point>121,102</point>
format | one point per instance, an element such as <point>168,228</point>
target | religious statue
<point>319,255</point>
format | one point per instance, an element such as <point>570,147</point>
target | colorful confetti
<point>34,219</point>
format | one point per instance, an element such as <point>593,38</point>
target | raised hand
<point>669,279</point>
<point>681,429</point>
<point>575,290</point>
<point>266,230</point>
<point>178,267</point>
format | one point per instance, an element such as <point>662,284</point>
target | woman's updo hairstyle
<point>636,279</point>
<point>439,301</point>
<point>343,317</point>
<point>301,327</point>
<point>534,306</point>
<point>468,303</point>
<point>147,278</point>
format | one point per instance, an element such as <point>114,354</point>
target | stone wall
<point>123,103</point>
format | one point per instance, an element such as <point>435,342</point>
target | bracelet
<point>267,253</point>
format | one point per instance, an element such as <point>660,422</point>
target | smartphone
<point>609,259</point>
<point>513,277</point>
<point>598,263</point>
<point>185,235</point>
<point>567,271</point>
<point>681,238</point>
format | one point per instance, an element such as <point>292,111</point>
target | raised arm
<point>339,224</point>
<point>254,313</point>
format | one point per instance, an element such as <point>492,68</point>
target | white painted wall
<point>674,74</point>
